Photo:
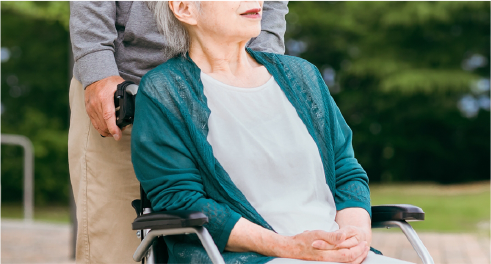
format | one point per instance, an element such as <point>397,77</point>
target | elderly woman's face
<point>233,20</point>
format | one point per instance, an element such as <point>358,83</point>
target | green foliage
<point>35,101</point>
<point>427,80</point>
<point>54,11</point>
<point>399,75</point>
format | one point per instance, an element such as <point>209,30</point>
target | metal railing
<point>25,143</point>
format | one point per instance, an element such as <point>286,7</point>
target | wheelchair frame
<point>152,225</point>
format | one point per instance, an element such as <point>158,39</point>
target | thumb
<point>334,237</point>
<point>328,240</point>
<point>321,245</point>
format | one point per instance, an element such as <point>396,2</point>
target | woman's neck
<point>224,58</point>
<point>227,62</point>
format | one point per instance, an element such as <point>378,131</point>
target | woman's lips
<point>253,13</point>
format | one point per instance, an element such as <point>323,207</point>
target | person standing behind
<point>113,42</point>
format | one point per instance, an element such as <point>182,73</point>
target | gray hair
<point>176,36</point>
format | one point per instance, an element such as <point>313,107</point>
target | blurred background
<point>412,80</point>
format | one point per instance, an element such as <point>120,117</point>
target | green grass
<point>54,214</point>
<point>448,208</point>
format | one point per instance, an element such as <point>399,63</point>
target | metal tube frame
<point>411,235</point>
<point>150,257</point>
<point>25,143</point>
<point>203,235</point>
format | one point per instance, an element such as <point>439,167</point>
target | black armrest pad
<point>388,212</point>
<point>169,219</point>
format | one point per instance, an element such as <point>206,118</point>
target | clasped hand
<point>346,245</point>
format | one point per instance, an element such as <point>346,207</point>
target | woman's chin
<point>253,33</point>
<point>244,36</point>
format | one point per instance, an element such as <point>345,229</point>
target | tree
<point>397,70</point>
<point>35,70</point>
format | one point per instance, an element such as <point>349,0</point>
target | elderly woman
<point>253,140</point>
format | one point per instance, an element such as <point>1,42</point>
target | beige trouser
<point>104,184</point>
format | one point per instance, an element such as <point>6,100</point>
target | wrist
<point>290,247</point>
<point>368,236</point>
<point>110,81</point>
<point>284,246</point>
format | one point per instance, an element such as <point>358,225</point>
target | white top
<point>261,142</point>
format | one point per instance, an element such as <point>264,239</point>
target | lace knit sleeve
<point>308,92</point>
<point>167,170</point>
<point>351,179</point>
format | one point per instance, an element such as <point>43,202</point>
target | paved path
<point>35,243</point>
<point>444,248</point>
<point>50,243</point>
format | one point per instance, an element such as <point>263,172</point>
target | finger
<point>93,108</point>
<point>95,124</point>
<point>332,238</point>
<point>322,245</point>
<point>101,126</point>
<point>363,256</point>
<point>109,115</point>
<point>347,254</point>
<point>348,243</point>
<point>358,251</point>
<point>104,133</point>
<point>349,231</point>
<point>91,113</point>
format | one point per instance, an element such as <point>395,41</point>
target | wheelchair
<point>153,226</point>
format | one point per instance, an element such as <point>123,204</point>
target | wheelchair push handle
<point>124,101</point>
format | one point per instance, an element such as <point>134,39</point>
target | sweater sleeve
<point>92,33</point>
<point>273,27</point>
<point>351,179</point>
<point>167,171</point>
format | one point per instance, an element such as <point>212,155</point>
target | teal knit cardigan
<point>175,164</point>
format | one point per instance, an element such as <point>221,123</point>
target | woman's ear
<point>185,11</point>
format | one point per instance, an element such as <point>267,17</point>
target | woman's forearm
<point>358,217</point>
<point>247,236</point>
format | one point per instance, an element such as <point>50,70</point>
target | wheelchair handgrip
<point>124,99</point>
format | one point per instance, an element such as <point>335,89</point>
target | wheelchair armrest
<point>169,220</point>
<point>397,212</point>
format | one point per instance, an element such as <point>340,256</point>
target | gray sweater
<point>121,38</point>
